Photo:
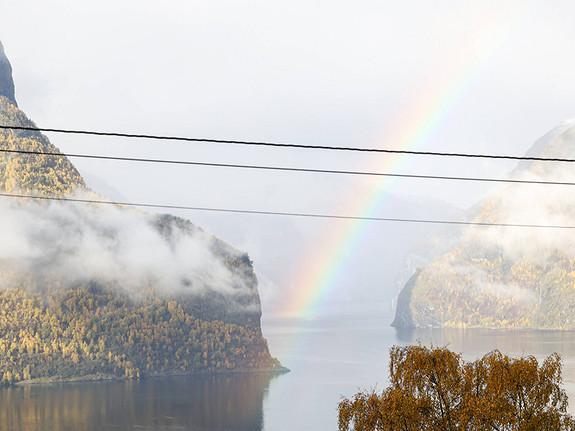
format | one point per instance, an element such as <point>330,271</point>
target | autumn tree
<point>434,389</point>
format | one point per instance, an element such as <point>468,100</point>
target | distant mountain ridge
<point>501,276</point>
<point>105,291</point>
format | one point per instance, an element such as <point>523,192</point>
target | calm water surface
<point>329,357</point>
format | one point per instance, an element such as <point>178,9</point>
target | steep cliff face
<point>105,290</point>
<point>507,276</point>
<point>6,81</point>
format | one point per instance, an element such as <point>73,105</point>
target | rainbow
<point>414,129</point>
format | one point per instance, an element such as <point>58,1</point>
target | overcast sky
<point>485,76</point>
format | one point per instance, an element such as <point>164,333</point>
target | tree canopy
<point>99,333</point>
<point>434,389</point>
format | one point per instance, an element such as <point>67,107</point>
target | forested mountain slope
<point>104,291</point>
<point>507,276</point>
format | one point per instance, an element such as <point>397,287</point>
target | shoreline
<point>109,378</point>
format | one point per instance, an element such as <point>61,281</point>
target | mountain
<point>107,291</point>
<point>6,81</point>
<point>496,276</point>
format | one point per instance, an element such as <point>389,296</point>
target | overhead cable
<point>287,169</point>
<point>288,145</point>
<point>287,214</point>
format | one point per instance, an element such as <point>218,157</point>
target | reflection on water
<point>334,356</point>
<point>471,341</point>
<point>210,403</point>
<point>329,356</point>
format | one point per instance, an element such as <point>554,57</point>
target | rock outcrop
<point>6,80</point>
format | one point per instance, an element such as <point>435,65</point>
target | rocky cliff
<point>6,81</point>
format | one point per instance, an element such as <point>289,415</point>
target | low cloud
<point>76,243</point>
<point>530,204</point>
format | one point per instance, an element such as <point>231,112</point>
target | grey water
<point>330,356</point>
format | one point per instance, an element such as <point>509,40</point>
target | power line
<point>288,145</point>
<point>287,214</point>
<point>287,169</point>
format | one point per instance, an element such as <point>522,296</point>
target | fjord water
<point>330,356</point>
